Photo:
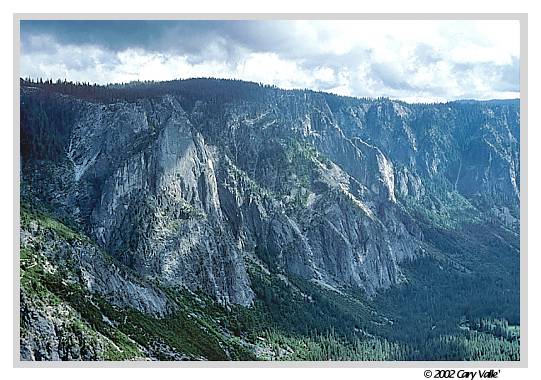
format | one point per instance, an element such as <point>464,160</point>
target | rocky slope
<point>336,191</point>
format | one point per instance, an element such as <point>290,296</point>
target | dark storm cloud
<point>111,35</point>
<point>186,37</point>
<point>198,38</point>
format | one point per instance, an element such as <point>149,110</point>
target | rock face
<point>54,257</point>
<point>50,338</point>
<point>313,185</point>
<point>86,264</point>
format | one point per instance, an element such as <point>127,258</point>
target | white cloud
<point>324,74</point>
<point>410,60</point>
<point>270,68</point>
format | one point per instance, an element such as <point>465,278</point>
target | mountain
<point>255,218</point>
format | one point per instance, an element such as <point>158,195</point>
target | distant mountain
<point>220,219</point>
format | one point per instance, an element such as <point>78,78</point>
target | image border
<point>522,18</point>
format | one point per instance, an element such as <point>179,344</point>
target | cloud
<point>410,60</point>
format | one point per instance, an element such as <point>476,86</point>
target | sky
<point>411,60</point>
